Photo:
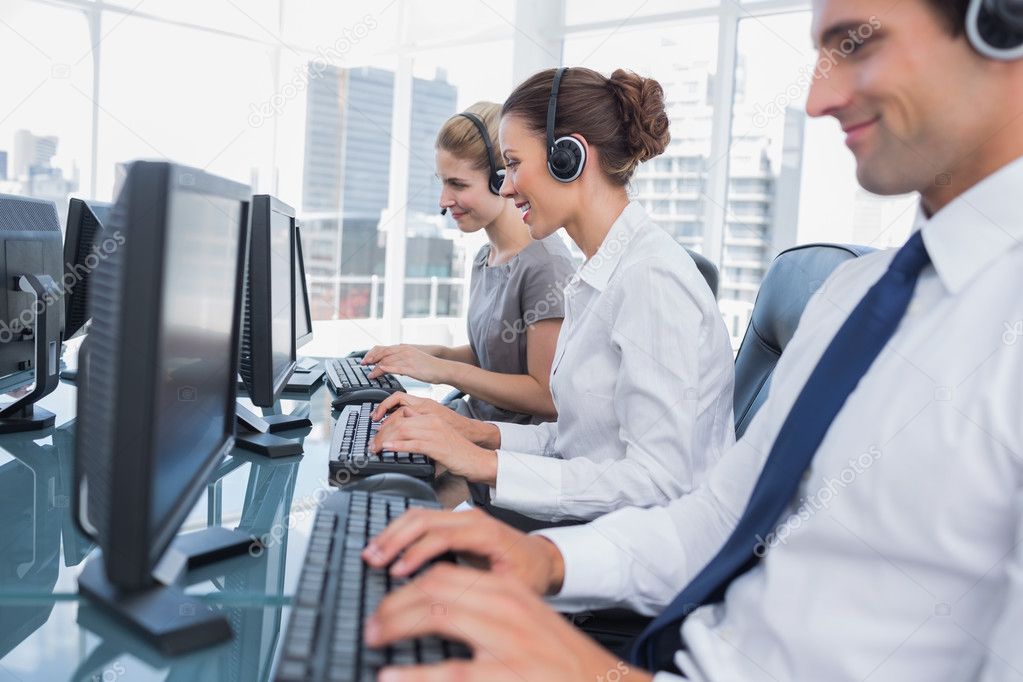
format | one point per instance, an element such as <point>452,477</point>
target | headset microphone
<point>444,211</point>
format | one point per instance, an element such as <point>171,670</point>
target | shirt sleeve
<point>543,286</point>
<point>533,439</point>
<point>641,558</point>
<point>657,401</point>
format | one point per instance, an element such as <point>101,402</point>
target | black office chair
<point>706,268</point>
<point>792,279</point>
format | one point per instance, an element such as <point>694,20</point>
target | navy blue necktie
<point>850,354</point>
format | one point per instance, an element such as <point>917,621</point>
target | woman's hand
<point>513,635</point>
<point>435,438</point>
<point>402,405</point>
<point>408,361</point>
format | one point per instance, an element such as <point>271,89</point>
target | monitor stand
<point>23,414</point>
<point>162,614</point>
<point>277,421</point>
<point>254,433</point>
<point>27,418</point>
<point>305,382</point>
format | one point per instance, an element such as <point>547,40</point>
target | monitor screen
<point>281,296</point>
<point>303,318</point>
<point>194,368</point>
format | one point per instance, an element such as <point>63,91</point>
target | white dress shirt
<point>642,380</point>
<point>904,560</point>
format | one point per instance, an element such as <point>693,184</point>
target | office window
<point>791,179</point>
<point>203,118</point>
<point>590,11</point>
<point>46,106</point>
<point>683,59</point>
<point>256,19</point>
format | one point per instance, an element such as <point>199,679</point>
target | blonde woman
<point>516,302</point>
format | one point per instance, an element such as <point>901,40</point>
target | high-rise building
<point>32,173</point>
<point>763,196</point>
<point>31,152</point>
<point>346,179</point>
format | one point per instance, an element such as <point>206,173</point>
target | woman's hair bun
<point>643,115</point>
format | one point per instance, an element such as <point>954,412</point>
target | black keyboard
<point>349,374</point>
<point>353,431</point>
<point>337,592</point>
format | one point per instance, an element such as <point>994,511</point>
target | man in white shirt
<point>901,556</point>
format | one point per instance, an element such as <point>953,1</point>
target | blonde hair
<point>460,137</point>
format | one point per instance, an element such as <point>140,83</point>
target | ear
<point>592,157</point>
<point>582,140</point>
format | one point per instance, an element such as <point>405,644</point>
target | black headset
<point>566,156</point>
<point>995,28</point>
<point>496,175</point>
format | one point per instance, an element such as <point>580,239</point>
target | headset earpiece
<point>995,28</point>
<point>496,176</point>
<point>566,156</point>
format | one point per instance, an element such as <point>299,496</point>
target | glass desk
<point>48,633</point>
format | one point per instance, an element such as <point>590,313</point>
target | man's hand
<point>419,535</point>
<point>513,635</point>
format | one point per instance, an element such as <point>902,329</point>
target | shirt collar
<point>976,228</point>
<point>597,271</point>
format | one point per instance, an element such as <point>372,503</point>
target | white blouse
<point>642,380</point>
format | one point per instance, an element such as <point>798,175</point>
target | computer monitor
<point>268,329</point>
<point>82,254</point>
<point>268,333</point>
<point>303,314</point>
<point>308,371</point>
<point>156,397</point>
<point>31,310</point>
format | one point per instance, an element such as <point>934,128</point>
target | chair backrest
<point>792,279</point>
<point>707,269</point>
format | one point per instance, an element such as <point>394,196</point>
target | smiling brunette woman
<point>642,377</point>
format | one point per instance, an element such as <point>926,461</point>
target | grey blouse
<point>503,300</point>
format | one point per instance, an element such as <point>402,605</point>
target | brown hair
<point>952,13</point>
<point>460,137</point>
<point>622,116</point>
